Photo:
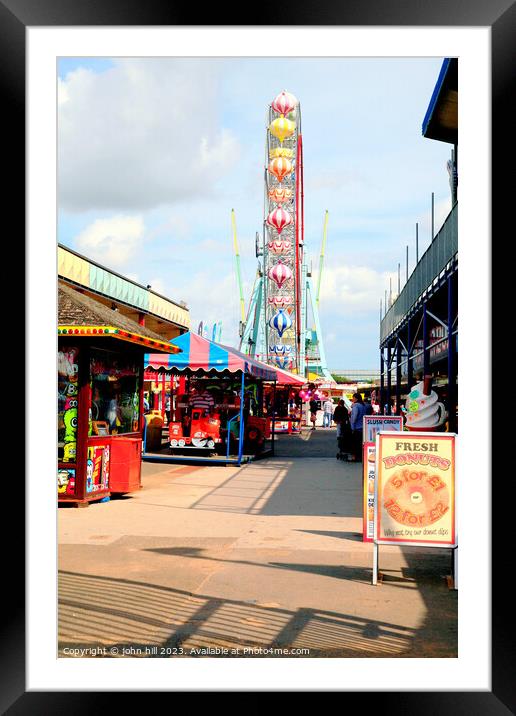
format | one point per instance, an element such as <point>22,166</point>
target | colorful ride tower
<point>282,325</point>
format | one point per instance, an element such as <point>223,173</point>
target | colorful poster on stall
<point>97,468</point>
<point>67,386</point>
<point>66,481</point>
<point>369,467</point>
<point>374,423</point>
<point>415,489</point>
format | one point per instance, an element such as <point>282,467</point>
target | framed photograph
<point>33,38</point>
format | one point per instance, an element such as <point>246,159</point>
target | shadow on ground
<point>140,619</point>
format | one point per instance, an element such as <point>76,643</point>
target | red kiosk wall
<point>125,450</point>
<point>126,463</point>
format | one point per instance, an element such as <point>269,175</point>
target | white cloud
<point>114,241</point>
<point>351,290</point>
<point>144,133</point>
<point>211,297</point>
<point>160,286</point>
<point>62,92</point>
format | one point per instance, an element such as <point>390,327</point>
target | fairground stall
<point>217,408</point>
<point>100,398</point>
<point>283,402</point>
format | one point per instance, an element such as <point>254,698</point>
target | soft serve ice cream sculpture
<point>422,409</point>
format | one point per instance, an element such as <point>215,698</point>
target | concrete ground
<point>264,556</point>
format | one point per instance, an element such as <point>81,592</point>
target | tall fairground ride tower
<point>281,326</point>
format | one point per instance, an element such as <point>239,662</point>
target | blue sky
<point>155,152</point>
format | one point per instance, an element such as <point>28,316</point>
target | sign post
<point>415,492</point>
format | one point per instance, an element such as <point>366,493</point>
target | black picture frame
<point>15,17</point>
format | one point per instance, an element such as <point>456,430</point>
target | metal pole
<point>390,291</point>
<point>241,433</point>
<point>399,280</point>
<point>452,371</point>
<point>398,377</point>
<point>321,257</point>
<point>409,359</point>
<point>273,421</point>
<point>389,379</point>
<point>382,381</point>
<point>386,302</point>
<point>375,563</point>
<point>417,243</point>
<point>456,171</point>
<point>238,271</point>
<point>426,354</point>
<point>406,264</point>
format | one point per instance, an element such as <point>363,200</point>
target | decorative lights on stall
<point>112,331</point>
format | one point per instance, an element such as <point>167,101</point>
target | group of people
<point>350,428</point>
<point>349,424</point>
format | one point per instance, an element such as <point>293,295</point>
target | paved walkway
<point>268,555</point>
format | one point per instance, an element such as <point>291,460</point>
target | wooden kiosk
<point>100,398</point>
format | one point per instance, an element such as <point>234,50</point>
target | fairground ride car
<point>204,432</point>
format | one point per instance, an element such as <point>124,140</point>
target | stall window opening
<point>115,393</point>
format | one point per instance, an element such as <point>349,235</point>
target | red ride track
<point>299,240</point>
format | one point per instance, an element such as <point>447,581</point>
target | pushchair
<point>344,442</point>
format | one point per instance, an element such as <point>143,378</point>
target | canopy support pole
<point>241,434</point>
<point>273,422</point>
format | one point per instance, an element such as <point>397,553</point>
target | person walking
<point>356,419</point>
<point>328,412</point>
<point>313,412</point>
<point>341,419</point>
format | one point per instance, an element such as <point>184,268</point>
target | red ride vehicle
<point>204,431</point>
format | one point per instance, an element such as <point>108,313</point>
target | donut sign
<point>415,489</point>
<point>369,478</point>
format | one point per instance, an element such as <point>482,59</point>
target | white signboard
<point>374,423</point>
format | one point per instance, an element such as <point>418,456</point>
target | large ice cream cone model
<point>423,411</point>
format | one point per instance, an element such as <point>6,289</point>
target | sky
<point>154,153</point>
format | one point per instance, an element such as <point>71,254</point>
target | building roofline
<point>435,94</point>
<point>183,306</point>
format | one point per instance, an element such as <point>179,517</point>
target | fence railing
<point>441,251</point>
